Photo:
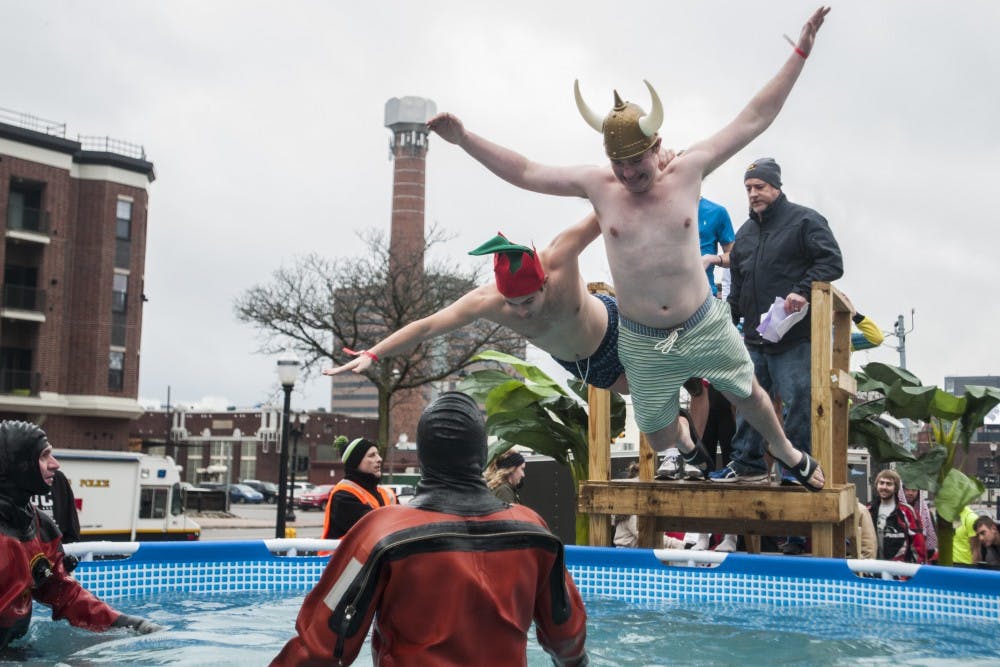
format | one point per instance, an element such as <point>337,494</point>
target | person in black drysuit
<point>32,561</point>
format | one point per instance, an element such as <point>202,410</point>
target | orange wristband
<point>368,353</point>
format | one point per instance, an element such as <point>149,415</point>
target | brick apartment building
<point>74,258</point>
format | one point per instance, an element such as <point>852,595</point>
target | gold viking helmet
<point>627,129</point>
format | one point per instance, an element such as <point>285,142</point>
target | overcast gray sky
<point>265,123</point>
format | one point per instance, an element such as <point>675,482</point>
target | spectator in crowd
<point>60,504</point>
<point>456,577</point>
<point>868,335</point>
<point>864,532</point>
<point>716,236</point>
<point>989,542</point>
<point>626,526</point>
<point>917,499</point>
<point>965,543</point>
<point>359,492</point>
<point>898,534</point>
<point>506,475</point>
<point>31,553</point>
<point>779,252</point>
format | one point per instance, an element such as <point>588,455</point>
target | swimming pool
<point>236,602</point>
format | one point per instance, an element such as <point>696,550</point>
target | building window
<point>119,293</point>
<point>119,299</point>
<point>248,460</point>
<point>116,371</point>
<point>222,456</point>
<point>123,234</point>
<point>24,208</point>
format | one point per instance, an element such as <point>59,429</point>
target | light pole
<point>288,371</point>
<point>298,427</point>
<point>993,478</point>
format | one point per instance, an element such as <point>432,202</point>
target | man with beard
<point>31,554</point>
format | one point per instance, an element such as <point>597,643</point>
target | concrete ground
<point>245,522</point>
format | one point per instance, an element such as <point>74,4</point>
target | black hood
<point>21,444</point>
<point>451,447</point>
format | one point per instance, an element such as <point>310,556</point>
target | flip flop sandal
<point>804,471</point>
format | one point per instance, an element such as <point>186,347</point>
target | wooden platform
<point>743,509</point>
<point>748,509</point>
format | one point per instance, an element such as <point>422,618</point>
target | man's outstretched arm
<point>570,242</point>
<point>758,115</point>
<point>510,165</point>
<point>455,316</point>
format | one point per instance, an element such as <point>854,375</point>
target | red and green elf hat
<point>516,267</point>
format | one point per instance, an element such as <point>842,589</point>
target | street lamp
<point>298,427</point>
<point>993,478</point>
<point>288,371</point>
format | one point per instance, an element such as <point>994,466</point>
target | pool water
<point>241,629</point>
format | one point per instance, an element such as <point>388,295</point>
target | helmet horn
<point>651,122</point>
<point>588,114</point>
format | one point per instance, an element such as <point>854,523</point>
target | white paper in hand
<point>775,323</point>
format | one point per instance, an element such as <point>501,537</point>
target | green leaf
<point>868,385</point>
<point>618,406</point>
<point>526,429</point>
<point>948,406</point>
<point>923,473</point>
<point>908,402</point>
<point>528,371</point>
<point>890,375</point>
<point>883,449</point>
<point>980,401</point>
<point>861,410</point>
<point>514,395</point>
<point>479,384</point>
<point>957,491</point>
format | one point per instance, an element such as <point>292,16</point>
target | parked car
<point>403,492</point>
<point>298,488</point>
<point>268,489</point>
<point>314,499</point>
<point>241,493</point>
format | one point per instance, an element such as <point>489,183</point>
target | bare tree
<point>319,306</point>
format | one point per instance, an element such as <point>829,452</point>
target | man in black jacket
<point>779,251</point>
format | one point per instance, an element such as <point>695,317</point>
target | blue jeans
<point>789,375</point>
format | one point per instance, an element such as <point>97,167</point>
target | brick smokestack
<point>405,117</point>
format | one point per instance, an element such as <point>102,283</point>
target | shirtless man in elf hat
<point>540,295</point>
<point>671,328</point>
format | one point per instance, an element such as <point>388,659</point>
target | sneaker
<point>693,472</point>
<point>787,479</point>
<point>727,545</point>
<point>670,468</point>
<point>701,541</point>
<point>729,474</point>
<point>793,548</point>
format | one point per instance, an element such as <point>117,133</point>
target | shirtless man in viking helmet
<point>671,328</point>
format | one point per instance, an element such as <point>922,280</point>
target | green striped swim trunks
<point>658,361</point>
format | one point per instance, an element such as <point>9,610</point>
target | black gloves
<point>70,562</point>
<point>140,625</point>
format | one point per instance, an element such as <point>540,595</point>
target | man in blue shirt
<point>715,232</point>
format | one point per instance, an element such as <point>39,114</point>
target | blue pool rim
<point>628,575</point>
